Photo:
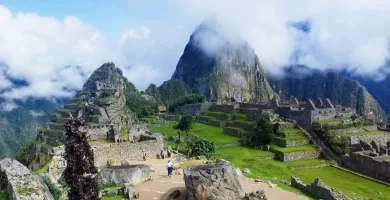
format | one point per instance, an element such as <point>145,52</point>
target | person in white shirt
<point>170,168</point>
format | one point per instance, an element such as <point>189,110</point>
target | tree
<point>80,169</point>
<point>186,123</point>
<point>265,131</point>
<point>200,147</point>
<point>26,153</point>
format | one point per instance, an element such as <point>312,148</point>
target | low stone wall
<point>193,109</point>
<point>299,155</point>
<point>175,118</point>
<point>243,125</point>
<point>318,189</point>
<point>374,167</point>
<point>267,157</point>
<point>227,145</point>
<point>310,167</point>
<point>125,151</point>
<point>378,138</point>
<point>224,108</point>
<point>285,126</point>
<point>235,132</point>
<point>355,129</point>
<point>211,122</point>
<point>132,174</point>
<point>291,143</point>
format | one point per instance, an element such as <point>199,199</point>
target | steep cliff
<point>216,63</point>
<point>305,83</point>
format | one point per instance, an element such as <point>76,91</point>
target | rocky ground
<point>161,184</point>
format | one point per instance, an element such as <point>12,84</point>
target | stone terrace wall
<point>224,108</point>
<point>355,129</point>
<point>291,143</point>
<point>125,151</point>
<point>299,155</point>
<point>253,105</point>
<point>323,113</point>
<point>304,118</point>
<point>378,138</point>
<point>235,132</point>
<point>193,109</point>
<point>368,165</point>
<point>318,189</point>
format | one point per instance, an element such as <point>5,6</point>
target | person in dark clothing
<point>162,154</point>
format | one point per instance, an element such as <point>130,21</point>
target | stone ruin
<point>218,181</point>
<point>132,174</point>
<point>20,184</point>
<point>318,189</point>
<point>372,159</point>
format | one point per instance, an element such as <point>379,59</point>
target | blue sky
<point>145,38</point>
<point>112,17</point>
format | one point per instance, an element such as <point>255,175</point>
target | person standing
<point>162,154</point>
<point>170,168</point>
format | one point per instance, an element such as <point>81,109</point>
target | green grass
<point>293,149</point>
<point>298,137</point>
<point>363,133</point>
<point>3,196</point>
<point>116,197</point>
<point>245,152</point>
<point>205,131</point>
<point>43,169</point>
<point>309,162</point>
<point>291,131</point>
<point>350,184</point>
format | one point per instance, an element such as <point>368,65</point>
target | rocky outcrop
<point>217,65</point>
<point>20,184</point>
<point>132,174</point>
<point>213,182</point>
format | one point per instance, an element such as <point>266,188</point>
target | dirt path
<point>161,183</point>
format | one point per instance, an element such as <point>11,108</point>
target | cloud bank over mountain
<point>55,56</point>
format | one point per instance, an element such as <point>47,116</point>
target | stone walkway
<point>161,183</point>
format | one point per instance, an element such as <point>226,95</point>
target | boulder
<point>20,184</point>
<point>171,195</point>
<point>218,181</point>
<point>246,171</point>
<point>132,174</point>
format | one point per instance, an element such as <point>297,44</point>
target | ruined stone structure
<point>20,184</point>
<point>102,132</point>
<point>131,174</point>
<point>318,189</point>
<point>373,159</point>
<point>192,109</point>
<point>151,144</point>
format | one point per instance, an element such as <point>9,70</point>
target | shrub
<point>200,147</point>
<point>54,190</point>
<point>264,131</point>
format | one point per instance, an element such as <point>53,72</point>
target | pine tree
<point>80,169</point>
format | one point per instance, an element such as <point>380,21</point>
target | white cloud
<point>353,34</point>
<point>37,113</point>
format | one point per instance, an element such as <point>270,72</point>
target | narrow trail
<point>104,114</point>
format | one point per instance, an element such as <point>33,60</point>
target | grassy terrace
<point>298,137</point>
<point>364,133</point>
<point>352,185</point>
<point>205,131</point>
<point>293,149</point>
<point>324,121</point>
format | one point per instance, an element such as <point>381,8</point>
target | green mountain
<point>103,100</point>
<point>216,66</point>
<point>304,83</point>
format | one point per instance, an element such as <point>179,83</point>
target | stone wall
<point>171,117</point>
<point>290,143</point>
<point>98,132</point>
<point>224,108</point>
<point>126,151</point>
<point>132,174</point>
<point>378,138</point>
<point>302,117</point>
<point>235,132</point>
<point>285,126</point>
<point>375,167</point>
<point>299,155</point>
<point>323,113</point>
<point>192,109</point>
<point>211,122</point>
<point>355,129</point>
<point>318,189</point>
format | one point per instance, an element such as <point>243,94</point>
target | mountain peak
<point>107,74</point>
